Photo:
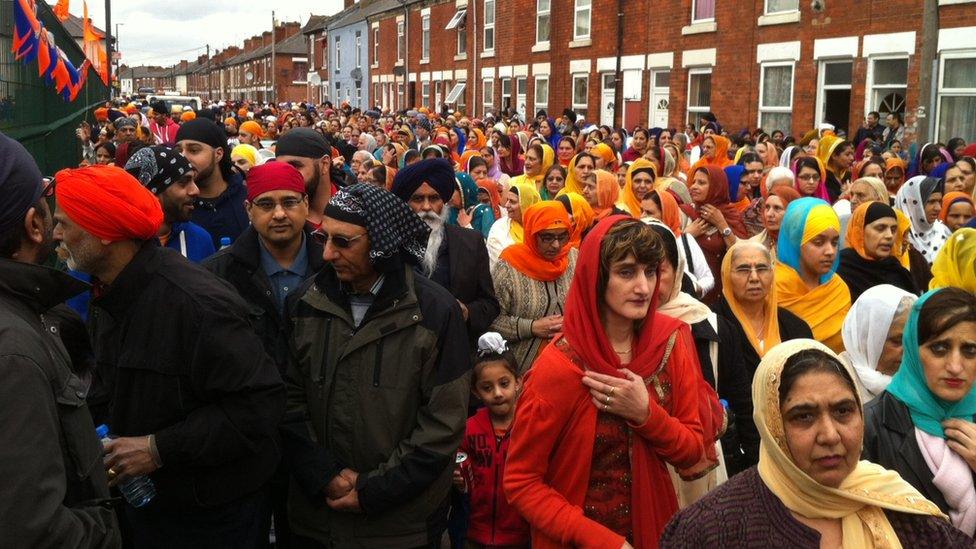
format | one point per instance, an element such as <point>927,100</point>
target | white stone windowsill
<point>424,61</point>
<point>779,18</point>
<point>461,57</point>
<point>953,2</point>
<point>699,28</point>
<point>581,43</point>
<point>540,47</point>
<point>487,54</point>
<point>398,63</point>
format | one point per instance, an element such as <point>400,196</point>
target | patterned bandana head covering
<point>124,122</point>
<point>157,167</point>
<point>392,226</point>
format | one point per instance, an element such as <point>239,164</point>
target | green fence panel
<point>31,111</point>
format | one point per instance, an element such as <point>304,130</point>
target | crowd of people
<point>316,326</point>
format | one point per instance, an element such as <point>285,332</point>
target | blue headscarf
<point>908,385</point>
<point>734,174</point>
<point>556,136</point>
<point>939,172</point>
<point>799,214</point>
<point>462,140</point>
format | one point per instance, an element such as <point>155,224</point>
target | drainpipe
<point>618,81</point>
<point>475,78</point>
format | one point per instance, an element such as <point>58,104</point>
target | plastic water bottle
<point>224,242</point>
<point>137,491</point>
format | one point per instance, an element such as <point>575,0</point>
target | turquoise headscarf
<point>799,214</point>
<point>908,384</point>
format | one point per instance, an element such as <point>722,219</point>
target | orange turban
<point>109,203</point>
<point>252,128</point>
<point>230,121</point>
<point>187,116</point>
<point>101,114</point>
<point>242,112</point>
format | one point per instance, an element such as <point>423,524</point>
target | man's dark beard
<point>313,185</point>
<point>203,175</point>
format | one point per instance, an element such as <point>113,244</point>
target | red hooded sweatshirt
<point>493,521</point>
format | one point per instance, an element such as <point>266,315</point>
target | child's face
<point>497,387</point>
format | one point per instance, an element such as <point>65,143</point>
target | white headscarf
<point>927,238</point>
<point>786,157</point>
<point>865,331</point>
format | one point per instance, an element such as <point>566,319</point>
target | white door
<point>606,98</point>
<point>660,99</point>
<point>521,87</point>
<point>438,98</point>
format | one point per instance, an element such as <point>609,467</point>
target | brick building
<point>317,41</point>
<point>246,72</point>
<point>774,63</point>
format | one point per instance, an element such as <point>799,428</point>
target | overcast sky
<point>161,32</point>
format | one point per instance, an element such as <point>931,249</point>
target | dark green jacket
<point>388,400</point>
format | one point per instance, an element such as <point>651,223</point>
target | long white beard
<point>435,239</point>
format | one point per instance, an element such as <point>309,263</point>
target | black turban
<point>302,142</point>
<point>435,171</point>
<point>20,183</point>
<point>203,130</point>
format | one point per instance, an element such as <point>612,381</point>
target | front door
<point>660,98</point>
<point>606,98</point>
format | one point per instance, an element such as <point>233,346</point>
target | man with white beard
<point>456,258</point>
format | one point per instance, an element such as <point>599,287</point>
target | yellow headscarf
<point>901,240</point>
<point>528,196</point>
<point>769,337</point>
<point>247,151</point>
<point>548,157</point>
<point>956,263</point>
<point>627,196</point>
<point>859,502</point>
<point>572,185</point>
<point>828,143</point>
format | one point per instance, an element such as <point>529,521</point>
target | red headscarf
<point>787,195</point>
<point>109,203</point>
<point>490,187</point>
<point>584,331</point>
<point>525,256</point>
<point>718,196</point>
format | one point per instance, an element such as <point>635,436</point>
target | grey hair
<point>905,304</point>
<point>751,245</point>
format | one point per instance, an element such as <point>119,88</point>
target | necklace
<point>622,352</point>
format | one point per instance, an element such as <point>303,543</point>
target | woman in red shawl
<point>608,403</point>
<point>716,223</point>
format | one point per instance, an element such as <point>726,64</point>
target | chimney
<point>266,38</point>
<point>347,3</point>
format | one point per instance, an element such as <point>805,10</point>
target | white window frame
<point>585,105</point>
<point>697,109</point>
<point>766,10</point>
<point>521,99</point>
<point>779,109</point>
<point>577,11</point>
<point>425,38</point>
<point>425,92</point>
<point>869,85</point>
<point>539,12</point>
<point>488,27</point>
<point>359,49</point>
<point>950,92</point>
<point>487,93</point>
<point>338,54</point>
<point>544,104</point>
<point>694,6</point>
<point>462,102</point>
<point>376,46</point>
<point>401,41</point>
<point>462,42</point>
<point>823,87</point>
<point>502,84</point>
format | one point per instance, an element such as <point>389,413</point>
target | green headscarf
<point>909,386</point>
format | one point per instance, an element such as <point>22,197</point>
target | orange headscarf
<point>187,116</point>
<point>951,198</point>
<point>770,336</point>
<point>477,142</point>
<point>390,175</point>
<point>604,151</point>
<point>670,211</point>
<point>607,192</point>
<point>628,197</point>
<point>720,159</point>
<point>855,230</point>
<point>465,158</point>
<point>524,257</point>
<point>109,203</point>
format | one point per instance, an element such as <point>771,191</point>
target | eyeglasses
<point>809,177</point>
<point>746,270</point>
<point>339,241</point>
<point>549,239</point>
<point>269,205</point>
<point>47,191</point>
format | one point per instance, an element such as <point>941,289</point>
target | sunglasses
<point>338,241</point>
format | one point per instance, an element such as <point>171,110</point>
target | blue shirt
<point>224,215</point>
<point>191,240</point>
<point>284,281</point>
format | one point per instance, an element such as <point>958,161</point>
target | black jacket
<point>240,265</point>
<point>177,358</point>
<point>53,480</point>
<point>790,327</point>
<point>889,441</point>
<point>734,385</point>
<point>470,277</point>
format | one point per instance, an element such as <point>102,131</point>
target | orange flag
<point>93,47</point>
<point>61,10</point>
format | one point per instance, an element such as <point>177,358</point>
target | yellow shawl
<point>823,307</point>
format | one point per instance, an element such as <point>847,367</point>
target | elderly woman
<point>775,204</point>
<point>806,281</point>
<point>870,258</point>
<point>920,199</point>
<point>508,230</point>
<point>715,222</point>
<point>954,264</point>
<point>922,425</point>
<point>610,402</point>
<point>872,335</point>
<point>810,490</point>
<point>532,279</point>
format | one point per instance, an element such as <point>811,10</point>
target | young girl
<point>492,523</point>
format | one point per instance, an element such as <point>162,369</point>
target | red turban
<point>109,203</point>
<point>273,176</point>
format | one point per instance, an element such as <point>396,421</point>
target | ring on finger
<point>111,474</point>
<point>607,401</point>
<point>612,389</point>
<point>605,407</point>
